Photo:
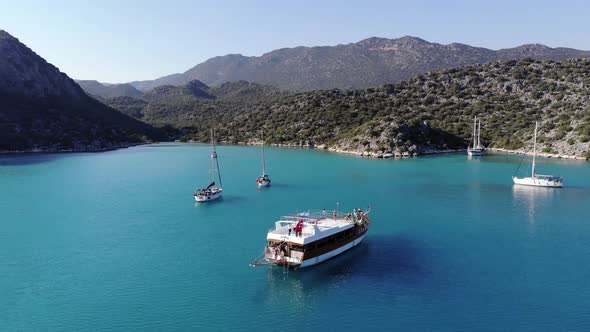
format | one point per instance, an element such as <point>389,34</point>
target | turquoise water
<point>114,241</point>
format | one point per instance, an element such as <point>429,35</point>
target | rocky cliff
<point>42,109</point>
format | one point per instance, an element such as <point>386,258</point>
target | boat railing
<point>548,177</point>
<point>309,216</point>
<point>311,219</point>
<point>284,230</point>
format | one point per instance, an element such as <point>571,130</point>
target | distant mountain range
<point>369,63</point>
<point>100,90</point>
<point>42,109</point>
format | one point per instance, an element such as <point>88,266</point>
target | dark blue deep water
<point>114,241</point>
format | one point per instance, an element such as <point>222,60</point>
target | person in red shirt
<point>299,228</point>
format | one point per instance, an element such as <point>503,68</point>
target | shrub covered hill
<point>431,112</point>
<point>187,106</point>
<point>42,109</point>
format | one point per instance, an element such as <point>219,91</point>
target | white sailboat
<point>538,180</point>
<point>264,180</point>
<point>477,149</point>
<point>211,192</point>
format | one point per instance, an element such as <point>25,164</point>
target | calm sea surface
<point>115,241</point>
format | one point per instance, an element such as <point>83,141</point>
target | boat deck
<point>314,227</point>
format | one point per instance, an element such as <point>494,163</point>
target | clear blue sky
<point>120,41</point>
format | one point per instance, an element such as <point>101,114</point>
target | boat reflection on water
<point>532,198</point>
<point>300,285</point>
<point>362,267</point>
<point>281,286</point>
<point>475,157</point>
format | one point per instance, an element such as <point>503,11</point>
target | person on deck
<point>299,228</point>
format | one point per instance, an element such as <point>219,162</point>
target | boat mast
<point>214,161</point>
<point>478,133</point>
<point>263,161</point>
<point>535,148</point>
<point>474,129</point>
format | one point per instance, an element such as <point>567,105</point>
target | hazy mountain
<point>174,79</point>
<point>370,62</point>
<point>540,52</point>
<point>95,88</point>
<point>43,109</point>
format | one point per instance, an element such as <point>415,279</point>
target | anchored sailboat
<point>477,149</point>
<point>211,192</point>
<point>538,180</point>
<point>264,180</point>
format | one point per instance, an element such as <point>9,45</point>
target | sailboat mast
<point>212,157</point>
<point>534,148</point>
<point>478,133</point>
<point>214,161</point>
<point>263,160</point>
<point>474,129</point>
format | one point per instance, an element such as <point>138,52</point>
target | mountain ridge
<point>101,90</point>
<point>370,62</point>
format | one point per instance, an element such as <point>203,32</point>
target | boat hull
<point>537,182</point>
<point>475,152</point>
<point>208,198</point>
<point>263,183</point>
<point>333,253</point>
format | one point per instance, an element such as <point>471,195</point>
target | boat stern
<point>279,254</point>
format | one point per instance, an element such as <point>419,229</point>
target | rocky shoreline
<point>366,154</point>
<point>540,154</point>
<point>80,150</point>
<point>424,152</point>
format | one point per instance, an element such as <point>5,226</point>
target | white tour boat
<point>538,180</point>
<point>477,149</point>
<point>264,180</point>
<point>211,192</point>
<point>306,239</point>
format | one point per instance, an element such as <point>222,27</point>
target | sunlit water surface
<point>114,241</point>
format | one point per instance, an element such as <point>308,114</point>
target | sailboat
<point>211,192</point>
<point>477,149</point>
<point>264,180</point>
<point>538,180</point>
